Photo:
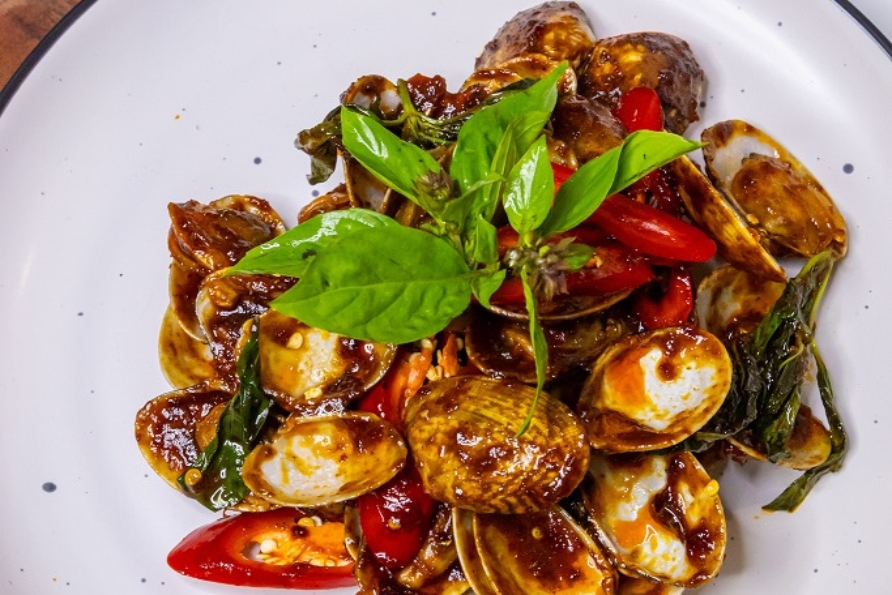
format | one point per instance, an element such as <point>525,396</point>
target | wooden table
<point>23,23</point>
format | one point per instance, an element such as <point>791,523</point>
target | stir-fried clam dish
<point>510,351</point>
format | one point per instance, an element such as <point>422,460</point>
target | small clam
<point>660,61</point>
<point>658,516</point>
<point>500,346</point>
<point>299,364</point>
<point>463,434</point>
<point>533,553</point>
<point>559,30</point>
<point>587,126</point>
<point>736,242</point>
<point>185,361</point>
<point>313,461</point>
<point>731,301</point>
<point>774,192</point>
<point>809,444</point>
<point>167,428</point>
<point>654,389</point>
<point>487,81</point>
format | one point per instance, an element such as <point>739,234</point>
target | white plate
<point>143,102</point>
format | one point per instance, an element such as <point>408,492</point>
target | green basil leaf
<point>576,256</point>
<point>239,428</point>
<point>291,253</point>
<point>641,153</point>
<point>485,243</point>
<point>645,151</point>
<point>391,285</point>
<point>530,189</point>
<point>582,193</point>
<point>485,283</point>
<point>395,162</point>
<point>480,136</point>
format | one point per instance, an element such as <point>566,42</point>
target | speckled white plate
<point>142,102</point>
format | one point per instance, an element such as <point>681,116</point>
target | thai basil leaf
<point>641,153</point>
<point>538,341</point>
<point>292,252</point>
<point>238,430</point>
<point>481,135</point>
<point>530,189</point>
<point>796,492</point>
<point>321,143</point>
<point>485,243</point>
<point>485,283</point>
<point>407,168</point>
<point>380,284</point>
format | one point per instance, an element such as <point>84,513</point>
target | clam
<point>225,304</point>
<point>185,361</point>
<point>731,301</point>
<point>300,364</point>
<point>314,461</point>
<point>654,389</point>
<point>773,191</point>
<point>558,30</point>
<point>463,432</point>
<point>533,553</point>
<point>167,428</point>
<point>660,61</point>
<point>736,242</point>
<point>657,516</point>
<point>500,346</point>
<point>205,238</point>
<point>488,80</point>
<point>587,126</point>
<point>809,444</point>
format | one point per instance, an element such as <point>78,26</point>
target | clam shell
<point>658,516</point>
<point>730,301</point>
<point>544,552</point>
<point>654,389</point>
<point>313,461</point>
<point>185,361</point>
<point>463,434</point>
<point>166,426</point>
<point>736,242</point>
<point>809,444</point>
<point>776,194</point>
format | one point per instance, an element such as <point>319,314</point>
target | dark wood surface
<point>23,23</point>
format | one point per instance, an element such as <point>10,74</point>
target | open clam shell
<point>809,444</point>
<point>530,554</point>
<point>658,516</point>
<point>314,461</point>
<point>185,361</point>
<point>776,194</point>
<point>731,301</point>
<point>654,389</point>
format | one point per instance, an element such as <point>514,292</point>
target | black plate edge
<point>47,42</point>
<point>40,50</point>
<point>867,25</point>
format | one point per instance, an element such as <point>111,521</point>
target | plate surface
<point>143,102</point>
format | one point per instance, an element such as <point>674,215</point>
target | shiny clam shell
<point>185,361</point>
<point>730,301</point>
<point>658,516</point>
<point>736,242</point>
<point>544,552</point>
<point>463,434</point>
<point>654,389</point>
<point>776,194</point>
<point>809,444</point>
<point>313,461</point>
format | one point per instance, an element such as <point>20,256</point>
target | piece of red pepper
<point>639,108</point>
<point>652,231</point>
<point>226,552</point>
<point>395,518</point>
<point>668,302</point>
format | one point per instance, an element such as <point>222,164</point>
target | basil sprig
<point>368,279</point>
